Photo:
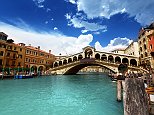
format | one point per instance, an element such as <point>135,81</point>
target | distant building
<point>21,57</point>
<point>37,59</point>
<point>119,51</point>
<point>132,49</point>
<point>11,54</point>
<point>144,43</point>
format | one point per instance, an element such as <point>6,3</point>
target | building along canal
<point>60,95</point>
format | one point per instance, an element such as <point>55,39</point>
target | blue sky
<point>66,26</point>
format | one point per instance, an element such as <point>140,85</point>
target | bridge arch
<point>69,60</point>
<point>97,56</point>
<point>125,60</point>
<point>110,58</point>
<point>74,58</point>
<point>41,68</point>
<point>80,57</point>
<point>34,68</point>
<point>117,59</point>
<point>65,62</point>
<point>60,63</point>
<point>55,64</point>
<point>133,62</point>
<point>75,69</point>
<point>104,57</point>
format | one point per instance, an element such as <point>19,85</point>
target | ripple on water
<point>60,95</point>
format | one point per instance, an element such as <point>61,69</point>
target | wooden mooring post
<point>135,99</point>
<point>119,90</point>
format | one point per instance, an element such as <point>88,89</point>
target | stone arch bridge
<point>90,57</point>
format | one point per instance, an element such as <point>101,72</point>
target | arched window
<point>74,58</point>
<point>104,57</point>
<point>60,62</point>
<point>110,58</point>
<point>125,60</point>
<point>143,39</point>
<point>145,47</point>
<point>97,56</point>
<point>141,49</point>
<point>65,61</point>
<point>69,60</point>
<point>80,57</point>
<point>141,55</point>
<point>146,54</point>
<point>55,64</point>
<point>133,62</point>
<point>117,60</point>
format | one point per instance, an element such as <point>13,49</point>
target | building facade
<point>132,49</point>
<point>119,51</point>
<point>145,57</point>
<point>37,59</point>
<point>20,57</point>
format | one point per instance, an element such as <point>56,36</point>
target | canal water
<point>60,95</point>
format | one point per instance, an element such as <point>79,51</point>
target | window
<point>1,53</point>
<point>7,63</point>
<point>19,63</point>
<point>146,54</point>
<point>15,48</point>
<point>141,49</point>
<point>13,63</point>
<point>20,56</point>
<point>145,47</point>
<point>141,55</point>
<point>2,46</point>
<point>26,59</point>
<point>21,49</point>
<point>10,47</point>
<point>150,46</point>
<point>1,62</point>
<point>14,56</point>
<point>27,51</point>
<point>143,39</point>
<point>8,54</point>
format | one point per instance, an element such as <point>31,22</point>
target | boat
<point>23,76</point>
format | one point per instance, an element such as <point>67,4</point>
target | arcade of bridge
<point>90,52</point>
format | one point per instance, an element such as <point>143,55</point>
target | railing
<point>93,60</point>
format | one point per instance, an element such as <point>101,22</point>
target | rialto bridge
<point>90,57</point>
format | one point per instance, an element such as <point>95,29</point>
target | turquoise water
<point>60,95</point>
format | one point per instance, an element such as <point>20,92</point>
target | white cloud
<point>39,3</point>
<point>99,8</point>
<point>116,43</point>
<point>141,10</point>
<point>71,1</point>
<point>84,31</point>
<point>78,23</point>
<point>48,9</point>
<point>46,22</point>
<point>55,28</point>
<point>58,43</point>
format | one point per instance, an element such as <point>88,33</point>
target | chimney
<point>50,51</point>
<point>38,47</point>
